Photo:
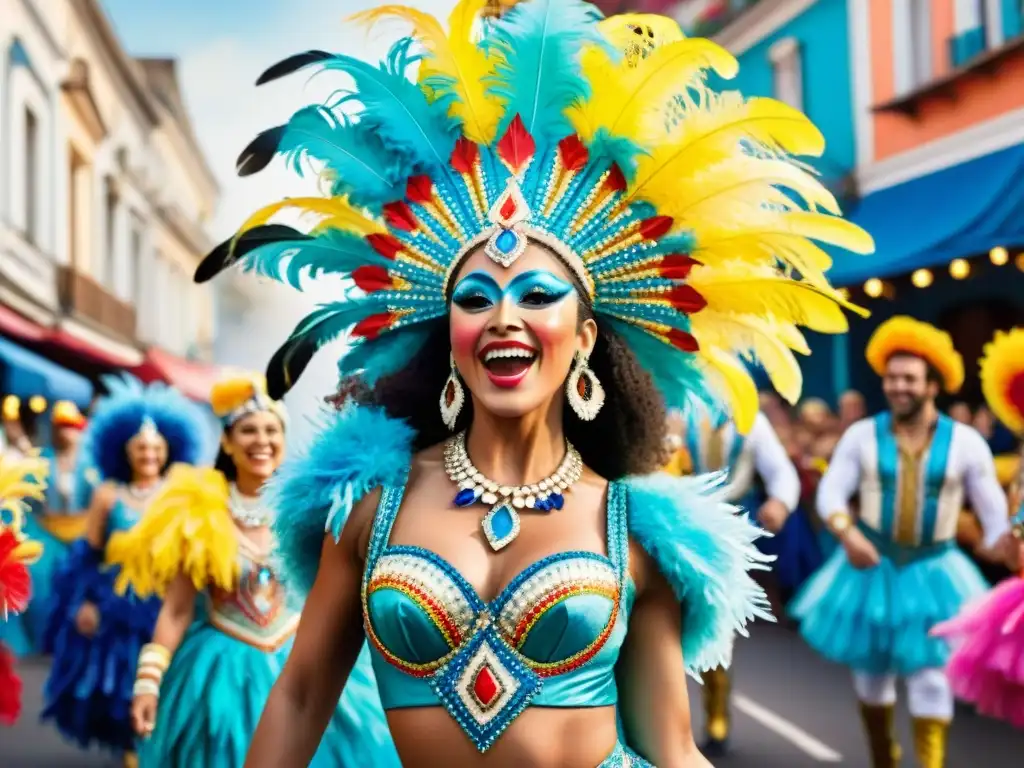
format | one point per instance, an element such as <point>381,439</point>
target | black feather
<point>222,257</point>
<point>287,365</point>
<point>292,64</point>
<point>260,151</point>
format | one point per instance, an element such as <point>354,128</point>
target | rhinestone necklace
<point>247,511</point>
<point>501,524</point>
<point>142,493</point>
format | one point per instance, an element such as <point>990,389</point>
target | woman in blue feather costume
<point>93,633</point>
<point>55,522</point>
<point>202,683</point>
<point>515,226</point>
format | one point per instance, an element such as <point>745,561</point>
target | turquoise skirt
<point>878,620</point>
<point>211,700</point>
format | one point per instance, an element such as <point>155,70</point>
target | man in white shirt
<point>899,571</point>
<point>711,443</point>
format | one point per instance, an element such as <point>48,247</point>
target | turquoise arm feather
<point>706,551</point>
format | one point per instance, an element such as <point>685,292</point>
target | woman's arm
<point>653,699</point>
<point>327,643</point>
<point>96,518</point>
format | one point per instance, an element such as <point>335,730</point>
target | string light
<point>874,287</point>
<point>922,278</point>
<point>37,404</point>
<point>998,256</point>
<point>959,269</point>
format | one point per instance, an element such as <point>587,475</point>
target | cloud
<point>228,111</point>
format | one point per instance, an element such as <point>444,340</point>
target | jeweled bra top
<point>551,637</point>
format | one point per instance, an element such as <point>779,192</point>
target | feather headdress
<point>1002,378</point>
<point>22,480</point>
<point>236,396</point>
<point>680,211</point>
<point>904,334</point>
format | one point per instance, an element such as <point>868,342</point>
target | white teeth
<point>525,354</point>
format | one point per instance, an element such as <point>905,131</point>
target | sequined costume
<point>877,621</point>
<point>22,481</point>
<point>54,521</point>
<point>711,443</point>
<point>987,665</point>
<point>89,688</point>
<point>534,127</point>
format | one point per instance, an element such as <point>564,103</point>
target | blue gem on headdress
<point>466,497</point>
<point>507,241</point>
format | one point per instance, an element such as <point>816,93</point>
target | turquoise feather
<point>539,77</point>
<point>387,355</point>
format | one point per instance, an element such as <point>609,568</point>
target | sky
<point>222,47</point>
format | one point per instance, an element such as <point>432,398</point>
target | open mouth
<point>507,363</point>
<point>259,455</point>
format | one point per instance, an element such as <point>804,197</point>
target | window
<point>108,258</point>
<point>32,177</point>
<point>136,277</point>
<point>787,72</point>
<point>912,45</point>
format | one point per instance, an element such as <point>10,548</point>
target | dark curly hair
<point>626,438</point>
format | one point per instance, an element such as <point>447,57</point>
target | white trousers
<point>928,692</point>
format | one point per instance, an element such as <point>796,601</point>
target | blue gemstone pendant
<point>501,525</point>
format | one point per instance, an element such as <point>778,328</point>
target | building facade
<point>104,194</point>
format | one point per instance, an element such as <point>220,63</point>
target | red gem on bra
<point>486,687</point>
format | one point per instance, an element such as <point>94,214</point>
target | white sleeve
<point>842,478</point>
<point>773,465</point>
<point>982,486</point>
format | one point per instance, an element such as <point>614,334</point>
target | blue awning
<point>957,212</point>
<point>25,374</point>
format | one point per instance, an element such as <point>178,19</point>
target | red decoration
<point>15,582</point>
<point>508,208</point>
<point>485,687</point>
<point>686,299</point>
<point>386,245</point>
<point>676,266</point>
<point>465,155</point>
<point>573,154</point>
<point>372,278</point>
<point>10,688</point>
<point>616,179</point>
<point>682,340</point>
<point>373,326</point>
<point>516,147</point>
<point>655,227</point>
<point>400,216</point>
<point>419,189</point>
<point>1015,391</point>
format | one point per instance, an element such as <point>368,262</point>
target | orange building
<point>939,112</point>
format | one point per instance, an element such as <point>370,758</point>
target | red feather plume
<point>374,325</point>
<point>15,582</point>
<point>516,148</point>
<point>685,298</point>
<point>386,245</point>
<point>465,155</point>
<point>676,266</point>
<point>372,278</point>
<point>419,189</point>
<point>573,153</point>
<point>10,688</point>
<point>682,340</point>
<point>400,216</point>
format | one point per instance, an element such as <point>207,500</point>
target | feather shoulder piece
<point>706,552</point>
<point>186,529</point>
<point>354,451</point>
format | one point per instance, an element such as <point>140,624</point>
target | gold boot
<point>716,710</point>
<point>930,741</point>
<point>879,722</point>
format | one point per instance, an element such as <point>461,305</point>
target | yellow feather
<point>22,480</point>
<point>756,336</point>
<point>734,383</point>
<point>338,213</point>
<point>186,529</point>
<point>713,130</point>
<point>629,100</point>
<point>454,55</point>
<point>780,298</point>
<point>655,30</point>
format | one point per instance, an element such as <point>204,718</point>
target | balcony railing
<point>81,296</point>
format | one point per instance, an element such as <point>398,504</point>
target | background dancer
<point>711,443</point>
<point>524,280</point>
<point>94,634</point>
<point>987,668</point>
<point>899,571</point>
<point>22,481</point>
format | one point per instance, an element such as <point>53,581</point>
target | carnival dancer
<point>207,533</point>
<point>95,635</point>
<point>713,444</point>
<point>899,572</point>
<point>54,521</point>
<point>533,245</point>
<point>22,480</point>
<point>987,667</point>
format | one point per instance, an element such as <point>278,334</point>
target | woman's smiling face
<point>515,330</point>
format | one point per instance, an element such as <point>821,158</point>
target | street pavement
<point>791,710</point>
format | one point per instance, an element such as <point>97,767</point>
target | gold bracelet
<point>839,523</point>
